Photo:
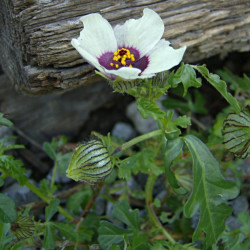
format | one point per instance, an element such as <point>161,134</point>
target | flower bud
<point>236,133</point>
<point>90,162</point>
<point>23,227</point>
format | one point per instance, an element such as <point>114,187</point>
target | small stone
<point>233,223</point>
<point>240,204</point>
<point>20,194</point>
<point>133,185</point>
<point>195,220</point>
<point>99,206</point>
<point>123,130</point>
<point>142,125</point>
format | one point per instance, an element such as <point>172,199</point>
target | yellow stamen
<point>122,55</point>
<point>123,61</point>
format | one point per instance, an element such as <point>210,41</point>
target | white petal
<point>163,57</point>
<point>86,55</point>
<point>125,73</point>
<point>142,34</point>
<point>97,36</point>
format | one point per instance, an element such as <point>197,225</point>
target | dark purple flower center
<point>123,57</point>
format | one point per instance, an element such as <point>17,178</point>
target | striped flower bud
<point>90,162</point>
<point>23,227</point>
<point>236,133</point>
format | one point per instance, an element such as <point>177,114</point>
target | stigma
<point>122,58</point>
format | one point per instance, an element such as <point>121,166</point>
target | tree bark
<point>35,35</point>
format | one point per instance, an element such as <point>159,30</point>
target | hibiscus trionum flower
<point>130,51</point>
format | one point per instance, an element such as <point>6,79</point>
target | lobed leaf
<point>7,209</point>
<point>51,209</point>
<point>149,108</point>
<point>124,213</point>
<point>220,86</point>
<point>110,234</point>
<point>142,161</point>
<point>210,190</point>
<point>48,242</point>
<point>185,75</point>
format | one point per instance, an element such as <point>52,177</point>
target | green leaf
<point>182,121</point>
<point>48,242</point>
<point>188,78</point>
<point>4,121</point>
<point>51,209</point>
<point>210,190</point>
<point>140,242</point>
<point>244,218</point>
<point>139,162</point>
<point>195,103</point>
<point>171,103</point>
<point>13,168</point>
<point>110,234</point>
<point>50,150</point>
<point>124,213</point>
<point>220,86</point>
<point>75,201</point>
<point>69,231</point>
<point>18,246</point>
<point>4,239</point>
<point>149,108</point>
<point>7,209</point>
<point>236,133</point>
<point>235,81</point>
<point>91,221</point>
<point>232,241</point>
<point>172,149</point>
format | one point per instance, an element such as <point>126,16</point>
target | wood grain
<point>35,35</point>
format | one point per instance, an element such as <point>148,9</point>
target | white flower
<point>131,50</point>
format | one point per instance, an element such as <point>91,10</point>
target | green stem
<point>141,138</point>
<point>36,191</point>
<point>149,200</point>
<point>53,176</point>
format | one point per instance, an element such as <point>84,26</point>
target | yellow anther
<point>123,61</point>
<point>122,55</point>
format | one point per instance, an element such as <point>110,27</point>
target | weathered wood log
<point>35,35</point>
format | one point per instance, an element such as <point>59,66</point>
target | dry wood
<point>35,35</point>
